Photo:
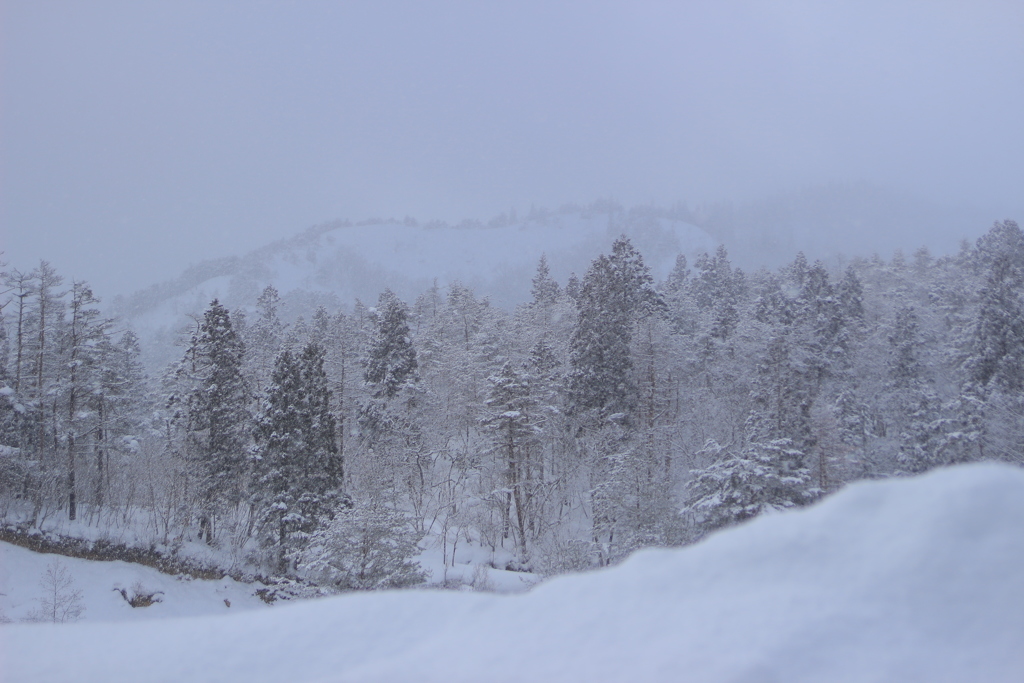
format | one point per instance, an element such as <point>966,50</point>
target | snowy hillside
<point>23,573</point>
<point>901,580</point>
<point>335,264</point>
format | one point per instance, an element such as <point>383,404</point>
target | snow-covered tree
<point>263,338</point>
<point>743,483</point>
<point>61,602</point>
<point>391,357</point>
<point>615,293</point>
<point>364,547</point>
<point>514,428</point>
<point>545,290</point>
<point>218,419</point>
<point>82,344</point>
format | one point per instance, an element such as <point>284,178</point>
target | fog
<point>136,138</point>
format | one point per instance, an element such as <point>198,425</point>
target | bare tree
<point>61,601</point>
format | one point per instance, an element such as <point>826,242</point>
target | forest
<point>607,414</point>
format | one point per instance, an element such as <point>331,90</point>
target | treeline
<point>610,414</point>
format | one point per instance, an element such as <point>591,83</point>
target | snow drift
<point>902,580</point>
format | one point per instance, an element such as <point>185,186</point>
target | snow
<point>335,265</point>
<point>900,580</point>
<point>21,570</point>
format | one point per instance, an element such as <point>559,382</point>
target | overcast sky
<point>137,137</point>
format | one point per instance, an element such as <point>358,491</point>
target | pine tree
<point>904,362</point>
<point>997,343</point>
<point>616,292</point>
<point>773,306</point>
<point>298,470</point>
<point>677,278</point>
<point>84,337</point>
<point>715,281</point>
<point>391,358</point>
<point>851,297</point>
<point>263,338</point>
<point>282,455</point>
<point>820,315</point>
<point>218,417</point>
<point>545,290</point>
<point>782,398</point>
<point>1003,241</point>
<point>740,485</point>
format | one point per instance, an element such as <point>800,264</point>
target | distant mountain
<point>336,263</point>
<point>855,219</point>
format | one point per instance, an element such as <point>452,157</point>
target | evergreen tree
<point>1004,241</point>
<point>326,467</point>
<point>677,278</point>
<point>391,358</point>
<point>263,338</point>
<point>280,450</point>
<point>715,280</point>
<point>545,290</point>
<point>740,485</point>
<point>616,292</point>
<point>820,315</point>
<point>997,343</point>
<point>298,469</point>
<point>773,306</point>
<point>218,419</point>
<point>904,362</point>
<point>851,297</point>
<point>122,405</point>
<point>83,340</point>
<point>782,398</point>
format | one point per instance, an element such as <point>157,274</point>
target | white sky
<point>137,137</point>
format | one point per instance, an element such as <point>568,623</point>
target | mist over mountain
<point>336,263</point>
<point>838,220</point>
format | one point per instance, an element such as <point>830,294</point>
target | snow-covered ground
<point>902,580</point>
<point>21,572</point>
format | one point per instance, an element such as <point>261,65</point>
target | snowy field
<point>902,580</point>
<point>21,592</point>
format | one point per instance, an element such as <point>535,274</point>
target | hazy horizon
<point>136,139</point>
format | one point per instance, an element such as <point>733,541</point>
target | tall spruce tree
<point>997,343</point>
<point>218,416</point>
<point>82,344</point>
<point>616,291</point>
<point>391,358</point>
<point>545,290</point>
<point>263,338</point>
<point>298,472</point>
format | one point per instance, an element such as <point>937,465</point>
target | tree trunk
<point>72,500</point>
<point>100,455</point>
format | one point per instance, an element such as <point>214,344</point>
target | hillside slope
<point>909,580</point>
<point>336,263</point>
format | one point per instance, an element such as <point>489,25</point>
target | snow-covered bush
<point>365,547</point>
<point>741,485</point>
